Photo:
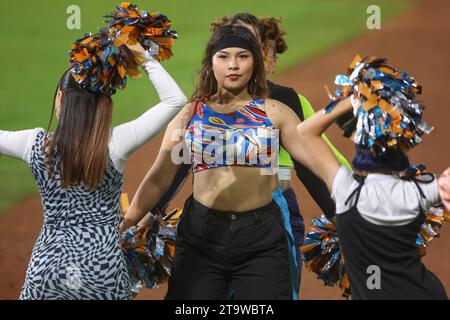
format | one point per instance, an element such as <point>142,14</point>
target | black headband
<point>232,41</point>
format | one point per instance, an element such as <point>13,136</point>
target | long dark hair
<point>81,138</point>
<point>207,83</point>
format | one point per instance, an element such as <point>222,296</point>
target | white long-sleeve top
<point>125,138</point>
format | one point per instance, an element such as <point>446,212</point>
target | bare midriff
<point>234,188</point>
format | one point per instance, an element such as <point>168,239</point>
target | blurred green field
<point>34,42</point>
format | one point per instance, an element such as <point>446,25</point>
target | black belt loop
<point>256,215</point>
<point>233,223</point>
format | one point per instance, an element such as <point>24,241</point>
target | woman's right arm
<point>160,176</point>
<point>130,136</point>
<point>17,144</point>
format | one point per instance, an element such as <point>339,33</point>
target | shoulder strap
<point>357,190</point>
<point>414,174</point>
<point>194,112</point>
<point>263,104</point>
<point>257,102</point>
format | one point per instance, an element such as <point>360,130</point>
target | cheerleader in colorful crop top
<point>271,37</point>
<point>231,234</point>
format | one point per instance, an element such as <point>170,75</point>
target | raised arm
<point>315,186</point>
<point>161,174</point>
<point>303,140</point>
<point>308,112</point>
<point>130,136</point>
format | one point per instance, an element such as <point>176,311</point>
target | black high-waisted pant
<point>218,251</point>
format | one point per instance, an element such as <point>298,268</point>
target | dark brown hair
<point>81,138</point>
<point>270,31</point>
<point>207,83</point>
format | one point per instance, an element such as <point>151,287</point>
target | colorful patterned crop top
<point>245,137</point>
